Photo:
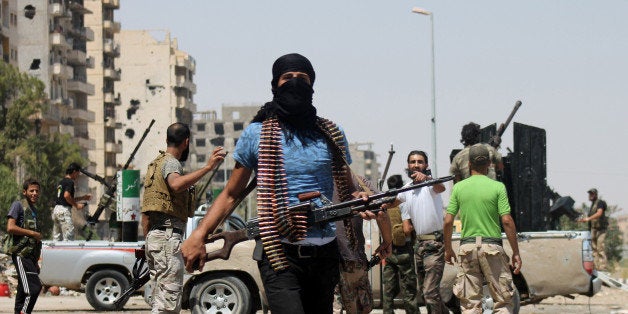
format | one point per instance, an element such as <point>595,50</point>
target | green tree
<point>24,149</point>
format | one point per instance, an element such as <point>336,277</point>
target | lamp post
<point>434,158</point>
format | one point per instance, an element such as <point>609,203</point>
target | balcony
<point>82,115</point>
<point>82,33</point>
<point>78,8</point>
<point>84,142</point>
<point>60,101</point>
<point>66,129</point>
<point>62,70</point>
<point>113,4</point>
<point>111,27</point>
<point>76,57</point>
<point>80,87</point>
<point>186,62</point>
<point>183,82</point>
<point>112,74</point>
<point>56,10</point>
<point>113,148</point>
<point>111,99</point>
<point>58,40</point>
<point>111,48</point>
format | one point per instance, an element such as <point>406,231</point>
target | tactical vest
<point>159,198</point>
<point>600,223</point>
<point>26,246</point>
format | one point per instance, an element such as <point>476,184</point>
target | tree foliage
<point>24,151</point>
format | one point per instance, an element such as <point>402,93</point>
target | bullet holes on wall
<point>35,64</point>
<point>129,133</point>
<point>29,12</point>
<point>135,104</point>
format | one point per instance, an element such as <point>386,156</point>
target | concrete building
<point>103,50</point>
<point>157,83</point>
<point>47,39</point>
<point>364,161</point>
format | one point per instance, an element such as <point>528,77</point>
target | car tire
<point>104,287</point>
<point>220,293</point>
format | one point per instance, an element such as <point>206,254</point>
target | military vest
<point>158,197</point>
<point>600,223</point>
<point>26,246</point>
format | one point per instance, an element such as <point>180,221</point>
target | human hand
<point>450,256</point>
<point>217,156</point>
<point>384,250</point>
<point>38,236</point>
<point>418,176</point>
<point>80,205</point>
<point>516,263</point>
<point>194,253</point>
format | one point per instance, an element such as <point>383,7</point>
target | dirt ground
<point>612,301</point>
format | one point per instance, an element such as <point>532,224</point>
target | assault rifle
<point>107,199</point>
<point>327,213</point>
<point>391,152</point>
<point>496,140</point>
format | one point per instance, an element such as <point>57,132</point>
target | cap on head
<point>72,167</point>
<point>479,155</point>
<point>292,62</point>
<point>592,191</point>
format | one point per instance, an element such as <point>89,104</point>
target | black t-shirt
<point>602,222</point>
<point>66,184</point>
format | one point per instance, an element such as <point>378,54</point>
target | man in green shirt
<point>482,203</point>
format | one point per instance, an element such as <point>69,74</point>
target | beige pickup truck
<point>554,263</point>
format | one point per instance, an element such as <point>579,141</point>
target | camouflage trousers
<point>429,259</point>
<point>62,224</point>
<point>353,292</point>
<point>165,262</point>
<point>599,249</point>
<point>486,263</point>
<point>399,276</point>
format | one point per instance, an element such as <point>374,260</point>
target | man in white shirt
<point>423,213</point>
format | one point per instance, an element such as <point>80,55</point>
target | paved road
<point>611,301</point>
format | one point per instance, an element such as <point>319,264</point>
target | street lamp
<point>434,158</point>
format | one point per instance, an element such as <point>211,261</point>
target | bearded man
<point>292,151</point>
<point>166,207</point>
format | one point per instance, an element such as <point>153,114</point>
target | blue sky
<point>565,60</point>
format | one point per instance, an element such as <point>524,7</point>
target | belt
<point>483,240</point>
<point>174,230</point>
<point>310,251</point>
<point>436,235</point>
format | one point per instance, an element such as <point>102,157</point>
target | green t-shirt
<point>481,202</point>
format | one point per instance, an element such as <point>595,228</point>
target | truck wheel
<point>220,294</point>
<point>104,287</point>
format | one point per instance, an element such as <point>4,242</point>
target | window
<point>218,141</point>
<point>219,128</point>
<point>238,126</point>
<point>200,127</point>
<point>200,158</point>
<point>200,142</point>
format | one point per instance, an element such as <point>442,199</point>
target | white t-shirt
<point>424,207</point>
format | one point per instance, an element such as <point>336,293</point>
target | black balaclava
<point>292,101</point>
